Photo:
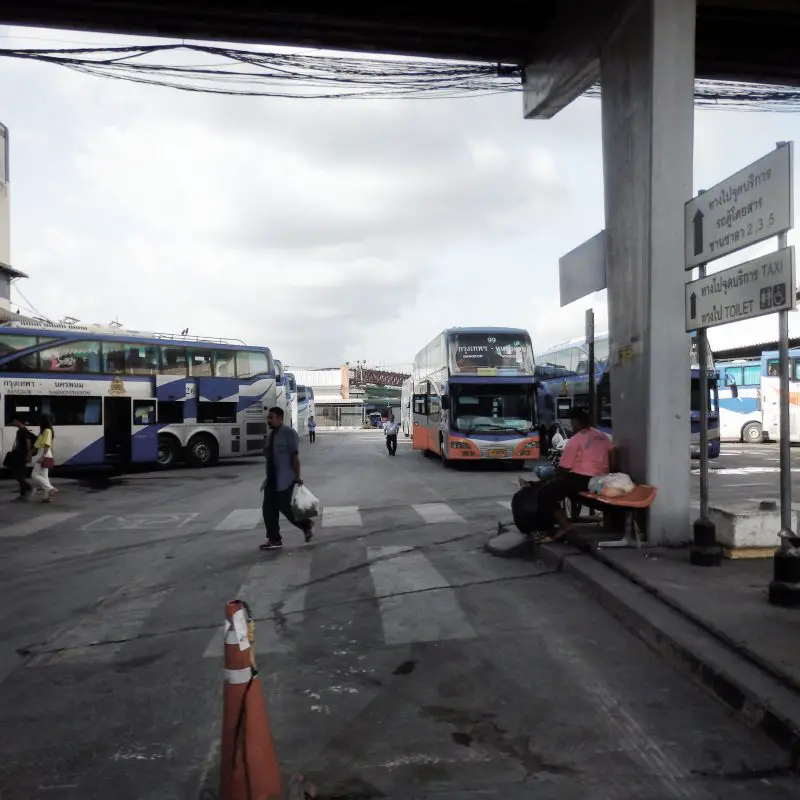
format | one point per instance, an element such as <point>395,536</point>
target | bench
<point>630,505</point>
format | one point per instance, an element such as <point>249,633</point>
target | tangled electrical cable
<point>261,73</point>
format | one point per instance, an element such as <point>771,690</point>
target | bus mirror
<point>734,391</point>
<point>445,402</point>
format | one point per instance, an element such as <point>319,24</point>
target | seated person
<point>587,454</point>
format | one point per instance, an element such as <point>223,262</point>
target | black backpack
<point>526,512</point>
<point>33,437</point>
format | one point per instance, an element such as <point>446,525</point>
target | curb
<point>753,693</point>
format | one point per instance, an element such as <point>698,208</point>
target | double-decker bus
<point>740,410</point>
<point>406,397</point>
<point>563,375</point>
<point>122,397</point>
<point>474,396</point>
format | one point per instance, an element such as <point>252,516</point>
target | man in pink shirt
<point>586,455</point>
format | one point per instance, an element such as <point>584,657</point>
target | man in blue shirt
<point>312,430</point>
<point>283,472</point>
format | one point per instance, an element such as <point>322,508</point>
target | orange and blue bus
<point>475,397</point>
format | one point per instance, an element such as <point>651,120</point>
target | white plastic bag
<point>614,485</point>
<point>304,504</point>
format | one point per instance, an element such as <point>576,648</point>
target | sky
<point>329,230</point>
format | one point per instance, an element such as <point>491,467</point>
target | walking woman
<point>43,460</point>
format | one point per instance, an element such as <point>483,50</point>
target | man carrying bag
<point>283,474</point>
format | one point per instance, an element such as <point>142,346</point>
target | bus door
<point>144,444</point>
<point>117,430</point>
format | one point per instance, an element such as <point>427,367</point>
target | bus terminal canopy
<point>749,40</point>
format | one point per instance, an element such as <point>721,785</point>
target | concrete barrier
<point>745,531</point>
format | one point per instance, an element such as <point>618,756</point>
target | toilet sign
<point>761,286</point>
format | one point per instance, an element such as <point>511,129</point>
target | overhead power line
<point>307,75</point>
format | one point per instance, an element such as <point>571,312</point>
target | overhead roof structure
<point>749,40</point>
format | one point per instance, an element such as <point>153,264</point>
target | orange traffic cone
<point>249,769</point>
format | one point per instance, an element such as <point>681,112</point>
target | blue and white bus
<point>563,375</point>
<point>285,385</point>
<point>406,397</point>
<point>124,397</point>
<point>740,411</point>
<point>304,408</point>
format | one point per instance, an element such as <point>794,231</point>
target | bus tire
<point>169,450</point>
<point>751,433</point>
<point>446,463</point>
<point>202,451</point>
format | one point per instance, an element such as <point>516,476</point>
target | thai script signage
<point>761,286</point>
<point>750,206</point>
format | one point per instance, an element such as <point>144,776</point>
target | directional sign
<point>761,286</point>
<point>746,208</point>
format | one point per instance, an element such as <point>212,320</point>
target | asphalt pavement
<point>398,659</point>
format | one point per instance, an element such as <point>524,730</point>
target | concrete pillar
<point>647,76</point>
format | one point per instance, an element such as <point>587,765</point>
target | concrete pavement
<point>398,660</point>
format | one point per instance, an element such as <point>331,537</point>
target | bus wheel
<point>751,433</point>
<point>168,450</point>
<point>445,460</point>
<point>201,451</point>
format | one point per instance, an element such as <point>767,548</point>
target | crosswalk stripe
<point>340,517</point>
<point>35,524</point>
<point>435,513</point>
<point>240,519</point>
<point>275,590</point>
<point>417,604</point>
<point>505,503</point>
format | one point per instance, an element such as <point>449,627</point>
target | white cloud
<point>329,230</point>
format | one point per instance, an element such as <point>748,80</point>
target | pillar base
<point>705,551</point>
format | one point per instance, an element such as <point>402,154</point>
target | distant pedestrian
<point>44,460</point>
<point>20,457</point>
<point>312,430</point>
<point>283,473</point>
<point>390,431</point>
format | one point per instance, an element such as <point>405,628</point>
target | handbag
<point>47,462</point>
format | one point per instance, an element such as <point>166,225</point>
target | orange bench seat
<point>641,496</point>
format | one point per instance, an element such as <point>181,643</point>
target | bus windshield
<point>490,354</point>
<point>492,409</point>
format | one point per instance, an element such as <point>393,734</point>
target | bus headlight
<point>457,444</point>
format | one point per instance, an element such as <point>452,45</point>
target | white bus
<point>304,404</point>
<point>284,391</point>
<point>475,398</point>
<point>122,397</point>
<point>406,396</point>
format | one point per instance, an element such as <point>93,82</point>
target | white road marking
<point>35,524</point>
<point>275,590</point>
<point>416,602</point>
<point>240,519</point>
<point>341,517</point>
<point>140,522</point>
<point>744,470</point>
<point>505,503</point>
<point>435,513</point>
